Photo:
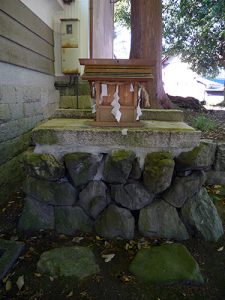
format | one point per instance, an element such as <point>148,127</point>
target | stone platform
<point>61,136</point>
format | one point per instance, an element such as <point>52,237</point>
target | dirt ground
<point>114,281</point>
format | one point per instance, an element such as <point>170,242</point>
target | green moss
<point>186,159</point>
<point>156,160</point>
<point>122,154</point>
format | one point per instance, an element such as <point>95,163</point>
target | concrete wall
<point>27,93</point>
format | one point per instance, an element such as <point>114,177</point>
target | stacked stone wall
<point>26,98</point>
<point>111,195</point>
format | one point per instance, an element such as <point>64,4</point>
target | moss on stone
<point>45,137</point>
<point>158,171</point>
<point>186,159</point>
<point>44,166</point>
<point>122,154</point>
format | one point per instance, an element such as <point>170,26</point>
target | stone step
<point>148,114</point>
<point>60,136</point>
<point>74,102</point>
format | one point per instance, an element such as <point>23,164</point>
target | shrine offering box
<point>117,88</point>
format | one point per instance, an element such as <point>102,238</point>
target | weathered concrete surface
<point>60,136</point>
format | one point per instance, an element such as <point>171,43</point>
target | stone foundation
<point>113,196</point>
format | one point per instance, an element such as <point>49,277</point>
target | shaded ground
<point>114,281</point>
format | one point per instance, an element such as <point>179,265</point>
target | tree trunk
<point>146,42</point>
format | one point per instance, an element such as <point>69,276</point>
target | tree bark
<point>146,42</point>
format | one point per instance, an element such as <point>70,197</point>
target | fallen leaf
<point>51,278</point>
<point>220,249</point>
<point>20,282</point>
<point>69,295</point>
<point>77,239</point>
<point>8,285</point>
<point>108,257</point>
<point>37,274</point>
<point>98,238</point>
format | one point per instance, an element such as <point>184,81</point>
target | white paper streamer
<point>104,90</point>
<point>131,88</point>
<point>94,108</point>
<point>116,106</point>
<point>139,112</point>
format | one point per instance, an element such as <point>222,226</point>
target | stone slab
<point>9,252</point>
<point>60,136</point>
<point>173,115</point>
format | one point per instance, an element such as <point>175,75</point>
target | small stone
<point>36,216</point>
<point>133,196</point>
<point>115,222</point>
<point>220,158</point>
<point>166,264</point>
<point>68,220</point>
<point>118,166</point>
<point>158,171</point>
<point>160,219</point>
<point>54,193</point>
<point>200,215</point>
<point>200,158</point>
<point>82,167</point>
<point>68,261</point>
<point>183,188</point>
<point>93,198</point>
<point>43,166</point>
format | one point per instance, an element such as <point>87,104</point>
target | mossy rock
<point>82,167</point>
<point>56,193</point>
<point>166,264</point>
<point>43,166</point>
<point>68,261</point>
<point>201,157</point>
<point>158,171</point>
<point>118,166</point>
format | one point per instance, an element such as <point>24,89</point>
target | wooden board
<point>23,15</point>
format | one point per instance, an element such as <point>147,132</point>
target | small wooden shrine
<point>117,86</point>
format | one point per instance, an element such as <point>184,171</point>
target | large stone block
<point>166,264</point>
<point>36,216</point>
<point>68,102</point>
<point>115,222</point>
<point>69,220</point>
<point>183,188</point>
<point>43,166</point>
<point>60,193</point>
<point>5,113</point>
<point>118,165</point>
<point>93,198</point>
<point>82,167</point>
<point>201,157</point>
<point>11,177</point>
<point>133,196</point>
<point>158,171</point>
<point>160,219</point>
<point>12,148</point>
<point>220,158</point>
<point>68,261</point>
<point>200,215</point>
<point>84,102</point>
